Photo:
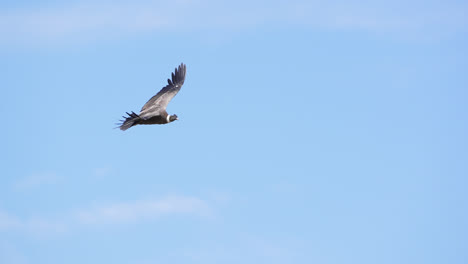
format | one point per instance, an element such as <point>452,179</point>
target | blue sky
<point>308,132</point>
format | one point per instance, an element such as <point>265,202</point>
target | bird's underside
<point>154,111</point>
<point>153,120</point>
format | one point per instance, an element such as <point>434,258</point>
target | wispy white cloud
<point>81,20</point>
<point>88,19</point>
<point>35,180</point>
<point>142,210</point>
<point>114,213</point>
<point>35,225</point>
<point>8,221</point>
<point>102,172</point>
<point>10,254</point>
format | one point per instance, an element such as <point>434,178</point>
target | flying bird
<point>154,111</point>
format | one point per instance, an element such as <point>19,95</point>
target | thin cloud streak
<point>8,221</point>
<point>36,180</point>
<point>116,213</point>
<point>34,225</point>
<point>77,21</point>
<point>89,20</point>
<point>143,210</point>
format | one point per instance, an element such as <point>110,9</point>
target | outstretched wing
<point>160,101</point>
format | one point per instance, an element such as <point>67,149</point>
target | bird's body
<point>154,111</point>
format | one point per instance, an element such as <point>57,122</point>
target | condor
<point>154,111</point>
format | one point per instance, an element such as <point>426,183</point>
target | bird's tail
<point>129,121</point>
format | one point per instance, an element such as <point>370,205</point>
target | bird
<point>154,111</point>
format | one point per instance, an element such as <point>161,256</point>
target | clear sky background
<point>326,132</point>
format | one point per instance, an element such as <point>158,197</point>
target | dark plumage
<point>154,111</point>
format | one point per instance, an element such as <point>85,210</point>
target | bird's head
<point>173,118</point>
